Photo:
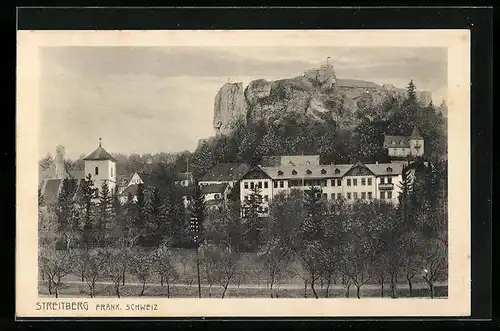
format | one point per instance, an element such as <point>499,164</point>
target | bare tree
<point>113,269</point>
<point>435,263</point>
<point>162,260</point>
<point>209,265</point>
<point>95,268</point>
<point>226,267</point>
<point>56,264</point>
<point>276,258</point>
<point>240,276</point>
<point>142,267</point>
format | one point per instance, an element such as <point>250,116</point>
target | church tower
<point>102,167</point>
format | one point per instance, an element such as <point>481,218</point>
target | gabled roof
<point>99,154</point>
<point>415,133</point>
<point>51,188</point>
<point>381,168</point>
<point>147,178</point>
<point>307,171</point>
<point>132,189</point>
<point>225,172</point>
<point>213,188</point>
<point>51,191</point>
<point>328,171</point>
<point>396,141</point>
<point>299,160</point>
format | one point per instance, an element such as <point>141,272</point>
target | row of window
<point>260,209</point>
<point>256,184</point>
<point>333,196</point>
<point>363,195</point>
<point>259,198</point>
<point>323,182</point>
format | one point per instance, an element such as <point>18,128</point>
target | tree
<point>251,221</point>
<point>141,265</point>
<point>66,212</point>
<point>41,200</point>
<point>113,269</point>
<point>310,256</point>
<point>139,221</point>
<point>435,262</point>
<point>95,268</point>
<point>162,262</point>
<point>276,257</point>
<point>226,266</point>
<point>104,214</point>
<point>56,264</point>
<point>209,263</point>
<point>84,198</point>
<point>156,215</point>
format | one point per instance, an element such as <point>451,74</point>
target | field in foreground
<point>79,289</point>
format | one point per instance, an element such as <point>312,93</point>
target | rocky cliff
<point>230,106</point>
<point>315,95</point>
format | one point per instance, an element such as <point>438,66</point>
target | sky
<point>161,99</point>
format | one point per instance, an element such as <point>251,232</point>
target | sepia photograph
<point>265,171</point>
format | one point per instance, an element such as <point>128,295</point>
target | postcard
<point>243,173</point>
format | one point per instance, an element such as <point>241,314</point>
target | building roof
<point>213,188</point>
<point>184,176</point>
<point>299,160</point>
<point>225,172</point>
<point>415,133</point>
<point>396,141</point>
<point>51,191</point>
<point>329,171</point>
<point>100,154</point>
<point>132,189</point>
<point>315,171</point>
<point>147,178</point>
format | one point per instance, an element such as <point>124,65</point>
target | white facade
<point>416,146</point>
<point>135,180</point>
<point>101,171</point>
<point>348,182</point>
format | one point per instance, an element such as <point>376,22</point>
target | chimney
<point>376,162</point>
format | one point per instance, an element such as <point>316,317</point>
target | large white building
<point>337,181</point>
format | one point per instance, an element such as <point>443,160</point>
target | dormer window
<point>323,171</point>
<point>280,173</point>
<point>393,142</point>
<point>401,142</point>
<point>294,172</point>
<point>308,172</point>
<point>389,169</point>
<point>337,171</point>
<point>96,171</point>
